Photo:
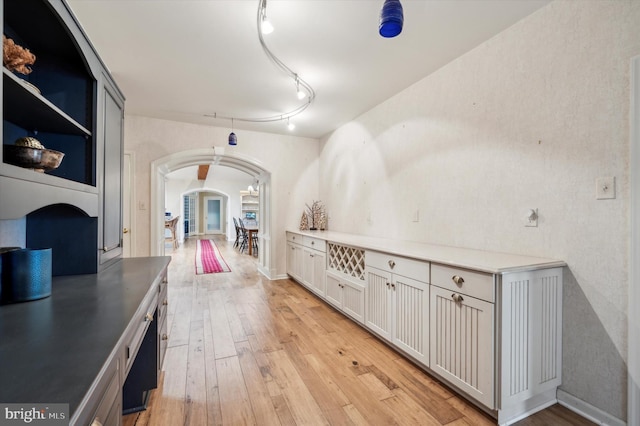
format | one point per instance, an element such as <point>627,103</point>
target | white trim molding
<point>587,410</point>
<point>633,312</point>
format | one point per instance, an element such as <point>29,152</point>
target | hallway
<point>245,350</point>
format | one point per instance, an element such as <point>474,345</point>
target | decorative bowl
<point>50,160</point>
<point>22,156</point>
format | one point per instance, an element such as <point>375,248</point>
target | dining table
<point>251,231</point>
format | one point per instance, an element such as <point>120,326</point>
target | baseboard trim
<point>587,410</point>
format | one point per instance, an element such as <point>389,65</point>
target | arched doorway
<point>221,157</point>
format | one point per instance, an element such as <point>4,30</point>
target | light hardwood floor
<point>244,350</point>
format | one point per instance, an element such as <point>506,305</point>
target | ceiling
<point>185,60</point>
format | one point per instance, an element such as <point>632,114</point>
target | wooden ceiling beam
<point>203,170</point>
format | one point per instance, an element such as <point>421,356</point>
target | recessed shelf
<point>26,108</point>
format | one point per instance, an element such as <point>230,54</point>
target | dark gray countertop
<point>52,349</point>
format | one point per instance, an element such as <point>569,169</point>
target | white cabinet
<point>462,342</point>
<point>397,306</point>
<point>492,334</point>
<point>345,294</point>
<point>530,329</point>
<point>314,264</point>
<point>294,256</point>
<point>518,314</point>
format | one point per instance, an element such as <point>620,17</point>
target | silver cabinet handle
<point>458,279</point>
<point>392,264</point>
<point>457,298</point>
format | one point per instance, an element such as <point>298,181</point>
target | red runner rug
<point>208,258</point>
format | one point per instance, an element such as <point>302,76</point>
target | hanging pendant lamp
<point>233,139</point>
<point>391,18</point>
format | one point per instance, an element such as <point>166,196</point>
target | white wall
<point>529,119</point>
<point>292,161</point>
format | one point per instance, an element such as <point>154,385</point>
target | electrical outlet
<point>605,188</point>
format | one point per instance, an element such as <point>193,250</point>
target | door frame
<point>128,206</point>
<point>633,313</point>
<point>267,263</point>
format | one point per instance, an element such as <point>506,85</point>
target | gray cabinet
<point>111,185</point>
<point>71,104</point>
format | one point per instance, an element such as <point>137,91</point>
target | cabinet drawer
<point>464,281</point>
<point>314,243</point>
<point>411,268</point>
<point>109,403</point>
<point>294,238</point>
<point>163,300</point>
<point>140,325</point>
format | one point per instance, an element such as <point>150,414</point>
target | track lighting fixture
<point>303,89</point>
<point>266,26</point>
<point>299,91</point>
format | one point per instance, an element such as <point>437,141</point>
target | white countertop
<point>479,260</point>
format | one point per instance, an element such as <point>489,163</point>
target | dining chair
<point>243,235</point>
<point>172,226</point>
<point>237,242</point>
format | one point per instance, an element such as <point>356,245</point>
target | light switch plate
<point>416,216</point>
<point>605,188</point>
<point>531,218</point>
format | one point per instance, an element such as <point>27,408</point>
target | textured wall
<point>529,119</point>
<point>292,161</point>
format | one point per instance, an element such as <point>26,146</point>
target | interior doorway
<point>213,215</point>
<point>216,156</point>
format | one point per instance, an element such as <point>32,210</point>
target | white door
<point>127,198</point>
<point>213,215</point>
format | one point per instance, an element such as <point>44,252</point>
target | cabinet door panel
<point>307,267</point>
<point>353,300</point>
<point>378,313</point>
<point>319,266</point>
<point>411,317</point>
<point>294,260</point>
<point>112,181</point>
<point>333,293</point>
<point>462,343</point>
<point>290,259</point>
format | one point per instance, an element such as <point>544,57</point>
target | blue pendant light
<point>233,139</point>
<point>391,18</point>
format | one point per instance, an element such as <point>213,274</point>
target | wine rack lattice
<point>347,260</point>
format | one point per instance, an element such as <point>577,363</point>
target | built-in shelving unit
<point>249,205</point>
<point>69,103</point>
<point>56,102</point>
